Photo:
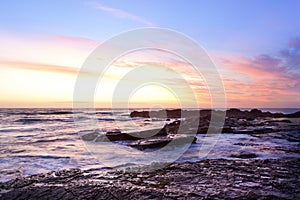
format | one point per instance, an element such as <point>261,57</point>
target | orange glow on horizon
<point>42,73</point>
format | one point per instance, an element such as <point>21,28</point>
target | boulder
<point>117,135</point>
<point>159,142</point>
<point>150,143</point>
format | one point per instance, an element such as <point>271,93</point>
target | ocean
<point>40,140</point>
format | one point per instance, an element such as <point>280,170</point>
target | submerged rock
<point>90,136</point>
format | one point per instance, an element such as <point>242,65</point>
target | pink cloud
<point>263,81</point>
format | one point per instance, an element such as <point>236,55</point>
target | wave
<point>8,130</point>
<point>41,113</point>
<point>42,156</point>
<point>104,113</point>
<point>51,140</point>
<point>37,120</point>
<point>106,119</point>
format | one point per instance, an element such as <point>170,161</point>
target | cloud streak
<point>39,67</point>
<point>73,41</point>
<point>122,14</point>
<point>53,68</point>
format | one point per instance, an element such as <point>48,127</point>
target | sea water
<point>36,141</point>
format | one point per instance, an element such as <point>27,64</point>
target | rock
<point>279,121</point>
<point>115,136</point>
<point>227,130</point>
<point>244,155</point>
<point>173,127</point>
<point>264,130</point>
<point>202,130</point>
<point>245,144</point>
<point>206,113</point>
<point>144,114</point>
<point>175,113</point>
<point>236,121</point>
<point>235,113</point>
<point>159,142</point>
<point>150,143</point>
<point>294,115</point>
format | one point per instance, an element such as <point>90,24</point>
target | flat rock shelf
<point>206,179</point>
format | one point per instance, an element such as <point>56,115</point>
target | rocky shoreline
<point>254,122</point>
<point>207,179</point>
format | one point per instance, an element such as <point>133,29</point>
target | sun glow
<point>154,95</point>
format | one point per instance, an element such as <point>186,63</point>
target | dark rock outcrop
<point>118,135</point>
<point>294,115</point>
<point>115,136</point>
<point>236,120</point>
<point>206,113</point>
<point>175,113</point>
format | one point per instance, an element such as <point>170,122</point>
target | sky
<point>254,44</point>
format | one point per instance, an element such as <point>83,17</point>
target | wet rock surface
<point>208,179</point>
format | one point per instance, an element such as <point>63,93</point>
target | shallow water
<point>41,140</point>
